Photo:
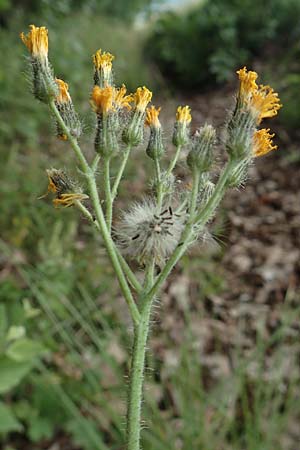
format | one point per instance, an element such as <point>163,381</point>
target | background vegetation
<point>220,376</point>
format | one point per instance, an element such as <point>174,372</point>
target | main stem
<point>135,395</point>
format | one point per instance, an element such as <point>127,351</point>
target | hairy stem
<point>108,242</point>
<point>159,192</point>
<point>108,196</point>
<point>195,191</point>
<point>174,160</point>
<point>115,187</point>
<point>135,395</point>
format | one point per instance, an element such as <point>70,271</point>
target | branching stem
<point>108,242</point>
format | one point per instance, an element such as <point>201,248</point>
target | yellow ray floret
<point>63,96</point>
<point>66,200</point>
<point>266,102</point>
<point>262,142</point>
<point>183,114</point>
<point>262,101</point>
<point>142,97</point>
<point>102,99</point>
<point>103,60</point>
<point>152,119</point>
<point>247,82</point>
<point>36,41</point>
<point>120,99</point>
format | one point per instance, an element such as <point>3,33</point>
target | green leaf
<point>24,349</point>
<point>8,422</point>
<point>40,428</point>
<point>11,373</point>
<point>15,332</point>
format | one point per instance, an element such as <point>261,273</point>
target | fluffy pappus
<point>144,231</point>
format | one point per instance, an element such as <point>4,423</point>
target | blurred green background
<point>223,362</point>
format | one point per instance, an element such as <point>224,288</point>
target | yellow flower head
<point>152,119</point>
<point>103,60</point>
<point>102,99</point>
<point>247,83</point>
<point>262,142</point>
<point>103,68</point>
<point>266,102</point>
<point>183,114</point>
<point>120,99</point>
<point>62,186</point>
<point>261,100</point>
<point>63,96</point>
<point>142,97</point>
<point>36,41</point>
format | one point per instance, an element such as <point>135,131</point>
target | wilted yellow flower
<point>62,186</point>
<point>102,99</point>
<point>152,119</point>
<point>120,99</point>
<point>142,97</point>
<point>66,200</point>
<point>183,114</point>
<point>36,41</point>
<point>262,142</point>
<point>63,96</point>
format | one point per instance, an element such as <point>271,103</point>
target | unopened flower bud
<point>134,132</point>
<point>201,155</point>
<point>166,183</point>
<point>181,127</point>
<point>155,148</point>
<point>103,69</point>
<point>67,111</point>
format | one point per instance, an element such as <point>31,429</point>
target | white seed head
<point>146,231</point>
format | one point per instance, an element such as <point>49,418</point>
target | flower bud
<point>201,155</point>
<point>240,132</point>
<point>155,148</point>
<point>44,86</point>
<point>106,143</point>
<point>166,183</point>
<point>134,132</point>
<point>67,111</point>
<point>239,174</point>
<point>181,127</point>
